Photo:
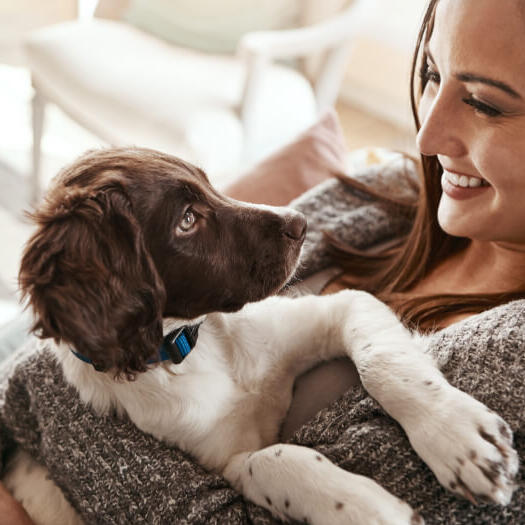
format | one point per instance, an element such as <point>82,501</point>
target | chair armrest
<point>307,40</point>
<point>334,35</point>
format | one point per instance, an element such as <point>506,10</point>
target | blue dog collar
<point>175,346</point>
<point>178,343</point>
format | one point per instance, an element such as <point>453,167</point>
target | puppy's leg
<point>298,483</point>
<point>29,483</point>
<point>468,447</point>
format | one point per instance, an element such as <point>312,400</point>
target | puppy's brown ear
<point>91,281</point>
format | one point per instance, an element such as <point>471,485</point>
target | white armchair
<point>223,112</point>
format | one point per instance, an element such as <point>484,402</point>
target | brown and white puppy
<point>132,244</point>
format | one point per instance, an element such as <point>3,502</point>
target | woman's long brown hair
<point>393,272</point>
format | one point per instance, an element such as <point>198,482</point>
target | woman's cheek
<point>424,105</point>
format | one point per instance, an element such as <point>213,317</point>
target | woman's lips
<point>460,186</point>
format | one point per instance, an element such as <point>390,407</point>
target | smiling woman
<point>459,251</point>
<point>466,250</point>
<point>473,120</point>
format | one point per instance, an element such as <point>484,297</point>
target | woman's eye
<point>481,107</point>
<point>188,221</point>
<point>428,74</point>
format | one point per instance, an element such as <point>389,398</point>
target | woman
<point>466,250</point>
<point>465,253</point>
<point>473,126</point>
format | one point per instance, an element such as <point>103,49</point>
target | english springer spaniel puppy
<point>157,294</point>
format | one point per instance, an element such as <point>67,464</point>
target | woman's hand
<point>11,511</point>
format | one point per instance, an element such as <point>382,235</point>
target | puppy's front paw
<point>469,448</point>
<point>361,501</point>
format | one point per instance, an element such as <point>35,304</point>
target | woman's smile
<point>460,186</point>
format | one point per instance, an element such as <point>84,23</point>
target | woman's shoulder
<point>392,175</point>
<point>483,355</point>
<point>389,173</point>
<point>358,211</point>
<point>496,335</point>
<point>505,322</point>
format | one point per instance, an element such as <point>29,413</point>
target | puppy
<point>143,278</point>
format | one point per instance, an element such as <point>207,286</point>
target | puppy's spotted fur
<point>133,243</point>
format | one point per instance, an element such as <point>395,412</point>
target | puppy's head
<point>126,237</point>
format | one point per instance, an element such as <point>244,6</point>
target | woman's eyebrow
<point>473,78</point>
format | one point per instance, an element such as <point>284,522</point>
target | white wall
<point>377,78</point>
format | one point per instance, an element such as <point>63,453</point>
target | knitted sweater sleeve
<point>483,356</point>
<point>111,472</point>
<point>353,216</point>
<point>15,409</point>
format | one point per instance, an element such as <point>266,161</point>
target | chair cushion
<point>132,88</point>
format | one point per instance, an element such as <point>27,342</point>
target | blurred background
<point>132,71</point>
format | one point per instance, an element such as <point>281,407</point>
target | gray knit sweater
<point>113,473</point>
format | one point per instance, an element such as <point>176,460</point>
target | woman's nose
<point>440,132</point>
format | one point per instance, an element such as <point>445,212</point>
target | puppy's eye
<point>188,221</point>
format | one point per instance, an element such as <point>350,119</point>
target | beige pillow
<point>312,158</point>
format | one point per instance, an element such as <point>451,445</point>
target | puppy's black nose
<point>295,226</point>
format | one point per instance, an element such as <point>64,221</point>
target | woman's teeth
<point>464,181</point>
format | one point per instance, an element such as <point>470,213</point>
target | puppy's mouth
<point>267,288</point>
<point>232,306</point>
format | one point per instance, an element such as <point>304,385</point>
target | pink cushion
<point>313,157</point>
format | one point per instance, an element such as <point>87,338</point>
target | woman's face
<point>472,115</point>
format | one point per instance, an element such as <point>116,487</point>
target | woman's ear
<point>91,281</point>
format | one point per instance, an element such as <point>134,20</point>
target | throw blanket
<point>114,474</point>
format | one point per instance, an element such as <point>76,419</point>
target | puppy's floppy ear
<point>91,281</point>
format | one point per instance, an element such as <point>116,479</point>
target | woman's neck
<point>482,267</point>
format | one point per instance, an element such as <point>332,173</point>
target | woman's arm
<point>11,511</point>
<point>482,356</point>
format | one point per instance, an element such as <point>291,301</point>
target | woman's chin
<point>456,223</point>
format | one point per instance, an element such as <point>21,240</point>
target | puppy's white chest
<point>177,404</point>
<point>189,407</point>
